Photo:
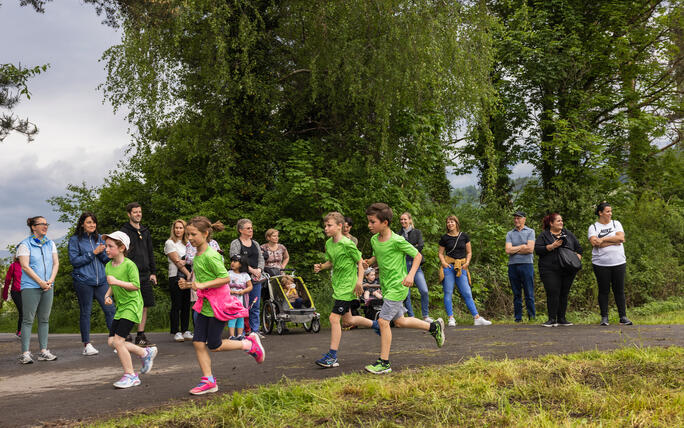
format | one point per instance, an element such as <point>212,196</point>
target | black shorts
<point>208,330</point>
<point>147,292</point>
<point>341,307</point>
<point>121,327</point>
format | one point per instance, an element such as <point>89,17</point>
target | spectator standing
<point>253,263</point>
<point>557,280</point>
<point>520,250</point>
<point>278,257</point>
<point>415,238</point>
<point>142,254</point>
<point>175,250</point>
<point>609,262</point>
<point>13,278</point>
<point>346,231</point>
<point>37,255</point>
<point>88,258</point>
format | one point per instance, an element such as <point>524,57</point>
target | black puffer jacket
<point>141,249</point>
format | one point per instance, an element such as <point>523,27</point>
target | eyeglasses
<point>42,224</point>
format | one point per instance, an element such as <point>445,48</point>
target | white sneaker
<point>89,349</point>
<point>428,319</point>
<point>178,337</point>
<point>46,355</point>
<point>25,358</point>
<point>187,335</point>
<point>481,321</point>
<point>452,322</point>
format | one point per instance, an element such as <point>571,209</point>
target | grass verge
<point>628,387</point>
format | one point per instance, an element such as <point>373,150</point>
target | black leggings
<point>16,298</point>
<point>180,307</point>
<point>557,284</point>
<point>609,277</point>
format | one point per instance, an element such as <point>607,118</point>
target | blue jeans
<point>254,311</point>
<point>85,294</point>
<point>450,279</point>
<point>521,277</point>
<point>422,287</point>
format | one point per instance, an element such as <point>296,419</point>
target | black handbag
<point>568,260</point>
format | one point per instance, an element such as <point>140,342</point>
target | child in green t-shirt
<point>390,251</point>
<point>215,305</point>
<point>124,284</point>
<point>345,259</point>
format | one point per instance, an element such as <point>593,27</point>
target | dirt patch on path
<point>75,387</point>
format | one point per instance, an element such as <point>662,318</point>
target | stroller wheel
<point>269,317</point>
<point>280,327</point>
<point>307,326</point>
<point>315,325</point>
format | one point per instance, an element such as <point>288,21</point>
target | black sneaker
<point>550,323</point>
<point>129,338</point>
<point>625,321</point>
<point>564,323</point>
<point>141,340</point>
<point>604,321</point>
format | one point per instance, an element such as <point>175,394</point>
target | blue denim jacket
<point>88,267</point>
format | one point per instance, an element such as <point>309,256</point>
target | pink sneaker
<point>204,387</point>
<point>257,350</point>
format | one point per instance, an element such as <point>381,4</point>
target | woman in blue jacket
<point>87,256</point>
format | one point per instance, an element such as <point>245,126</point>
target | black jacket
<point>415,238</point>
<point>140,251</point>
<point>548,260</point>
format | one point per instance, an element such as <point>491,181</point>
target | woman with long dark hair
<point>88,258</point>
<point>557,279</point>
<point>13,278</point>
<point>37,255</point>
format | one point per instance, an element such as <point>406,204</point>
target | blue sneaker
<point>127,381</point>
<point>376,327</point>
<point>148,359</point>
<point>328,361</point>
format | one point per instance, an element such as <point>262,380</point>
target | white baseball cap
<point>119,236</point>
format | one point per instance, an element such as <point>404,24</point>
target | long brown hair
<point>455,219</point>
<point>203,224</point>
<point>184,238</point>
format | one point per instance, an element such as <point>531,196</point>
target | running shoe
<point>127,381</point>
<point>625,321</point>
<point>89,350</point>
<point>257,350</point>
<point>379,367</point>
<point>25,358</point>
<point>550,323</point>
<point>438,334</point>
<point>452,322</point>
<point>204,387</point>
<point>46,355</point>
<point>565,323</point>
<point>604,321</point>
<point>328,361</point>
<point>178,337</point>
<point>481,321</point>
<point>141,340</point>
<point>148,360</point>
<point>187,335</point>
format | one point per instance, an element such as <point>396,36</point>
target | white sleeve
<point>169,247</point>
<point>54,248</point>
<point>593,231</point>
<point>22,250</point>
<point>618,227</point>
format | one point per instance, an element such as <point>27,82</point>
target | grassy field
<point>634,387</point>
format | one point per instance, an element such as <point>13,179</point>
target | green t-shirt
<point>129,304</point>
<point>208,266</point>
<point>345,258</point>
<point>391,258</point>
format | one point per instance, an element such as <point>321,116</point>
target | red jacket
<point>13,277</point>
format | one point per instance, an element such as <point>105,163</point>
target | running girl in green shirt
<point>390,251</point>
<point>124,284</point>
<point>345,259</point>
<point>215,305</point>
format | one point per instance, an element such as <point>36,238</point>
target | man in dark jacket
<point>140,252</point>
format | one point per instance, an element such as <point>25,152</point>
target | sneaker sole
<point>328,366</point>
<point>47,359</point>
<point>549,325</point>
<point>206,391</point>
<point>127,386</point>
<point>379,372</point>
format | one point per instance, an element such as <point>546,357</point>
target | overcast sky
<point>80,138</point>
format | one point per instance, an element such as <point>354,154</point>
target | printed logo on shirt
<point>605,232</point>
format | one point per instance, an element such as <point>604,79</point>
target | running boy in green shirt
<point>390,251</point>
<point>345,259</point>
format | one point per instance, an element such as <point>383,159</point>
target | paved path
<point>76,387</point>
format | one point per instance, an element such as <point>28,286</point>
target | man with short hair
<point>520,248</point>
<point>346,230</point>
<point>141,253</point>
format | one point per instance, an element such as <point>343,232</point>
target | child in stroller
<point>371,286</point>
<point>290,289</point>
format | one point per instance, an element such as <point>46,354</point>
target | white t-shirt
<point>22,250</point>
<point>170,247</point>
<point>238,281</point>
<point>612,255</point>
